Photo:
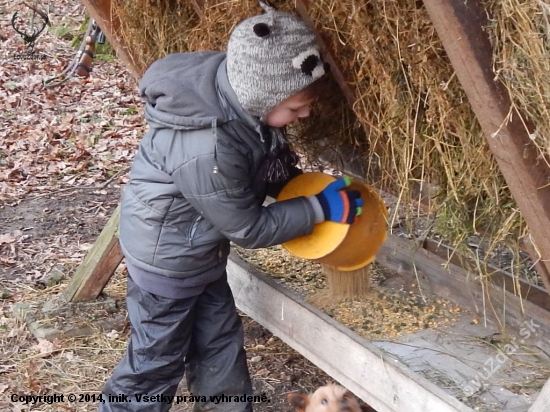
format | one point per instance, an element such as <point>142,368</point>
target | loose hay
<point>520,34</point>
<point>420,124</point>
<point>154,28</point>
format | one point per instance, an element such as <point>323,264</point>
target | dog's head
<point>328,398</point>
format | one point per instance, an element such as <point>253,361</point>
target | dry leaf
<point>34,366</point>
<point>85,246</point>
<point>7,261</point>
<point>45,347</point>
<point>112,334</point>
<point>7,238</point>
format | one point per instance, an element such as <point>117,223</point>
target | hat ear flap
<point>267,6</point>
<point>261,29</point>
<point>309,64</point>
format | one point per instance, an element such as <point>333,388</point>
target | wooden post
<point>460,26</point>
<point>100,11</point>
<point>98,266</point>
<point>103,259</point>
<point>542,403</point>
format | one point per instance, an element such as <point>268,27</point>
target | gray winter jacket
<point>194,183</point>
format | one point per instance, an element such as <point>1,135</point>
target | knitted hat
<point>270,57</point>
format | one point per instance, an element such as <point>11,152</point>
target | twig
<point>72,66</point>
<point>66,189</point>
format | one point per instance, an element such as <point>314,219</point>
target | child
<point>199,181</point>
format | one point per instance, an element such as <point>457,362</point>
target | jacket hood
<point>180,91</point>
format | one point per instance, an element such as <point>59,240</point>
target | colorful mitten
<point>337,205</point>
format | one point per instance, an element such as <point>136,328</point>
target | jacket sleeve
<point>228,201</point>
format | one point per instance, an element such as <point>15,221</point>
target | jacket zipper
<point>193,228</point>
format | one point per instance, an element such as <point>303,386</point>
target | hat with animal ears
<point>270,57</point>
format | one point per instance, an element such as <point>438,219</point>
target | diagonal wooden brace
<point>460,26</point>
<point>98,266</point>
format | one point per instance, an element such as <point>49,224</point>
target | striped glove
<point>337,205</point>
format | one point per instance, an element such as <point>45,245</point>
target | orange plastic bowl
<point>346,247</point>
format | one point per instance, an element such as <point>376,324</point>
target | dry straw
<point>520,33</point>
<point>154,28</point>
<point>420,125</point>
<point>411,120</point>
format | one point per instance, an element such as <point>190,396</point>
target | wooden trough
<point>369,369</point>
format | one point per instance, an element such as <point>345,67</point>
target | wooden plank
<point>101,12</point>
<point>379,379</point>
<point>98,266</point>
<point>448,281</point>
<point>542,403</point>
<point>460,26</point>
<point>499,277</point>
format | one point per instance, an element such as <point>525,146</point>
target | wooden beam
<point>101,12</point>
<point>542,403</point>
<point>98,266</point>
<point>376,377</point>
<point>460,26</point>
<point>448,281</point>
<point>499,277</point>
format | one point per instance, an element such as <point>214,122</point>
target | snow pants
<point>201,337</point>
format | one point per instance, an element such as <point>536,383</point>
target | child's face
<point>297,106</point>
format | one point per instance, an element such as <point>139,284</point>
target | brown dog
<point>328,398</point>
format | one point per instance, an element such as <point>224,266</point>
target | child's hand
<point>339,205</point>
